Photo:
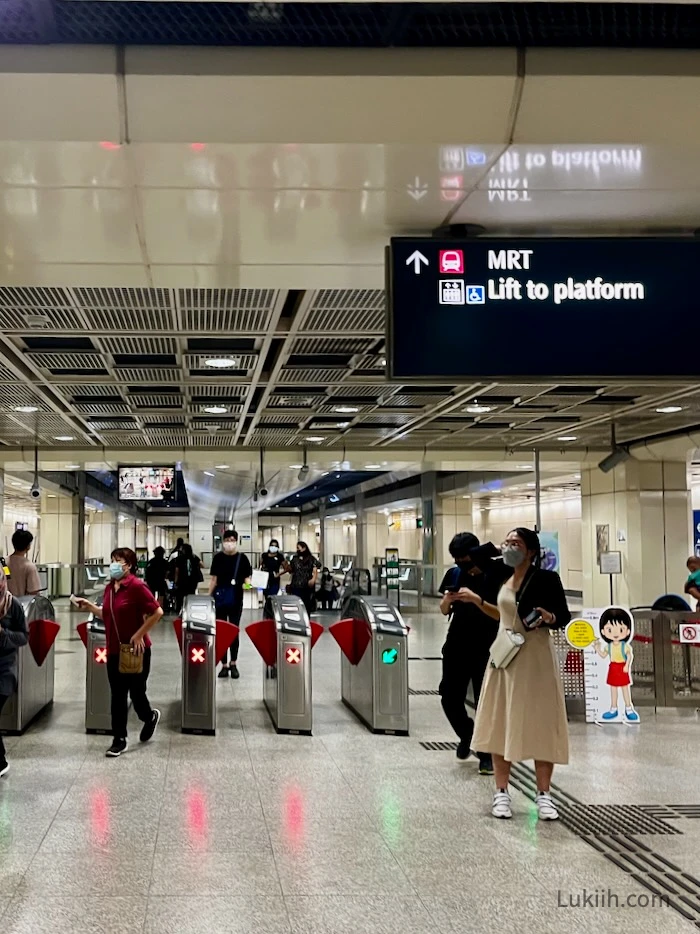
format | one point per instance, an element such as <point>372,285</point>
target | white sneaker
<point>545,806</point>
<point>501,805</point>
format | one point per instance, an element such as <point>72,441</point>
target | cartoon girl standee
<point>615,643</point>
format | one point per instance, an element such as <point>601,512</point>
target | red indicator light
<point>197,656</point>
<point>198,147</point>
<point>109,147</point>
<point>293,656</point>
<point>100,656</point>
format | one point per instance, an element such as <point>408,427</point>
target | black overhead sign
<point>536,309</point>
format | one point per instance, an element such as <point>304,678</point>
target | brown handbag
<point>129,662</point>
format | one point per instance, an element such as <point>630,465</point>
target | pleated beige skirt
<point>522,713</point>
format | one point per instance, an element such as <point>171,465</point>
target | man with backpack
<point>465,653</point>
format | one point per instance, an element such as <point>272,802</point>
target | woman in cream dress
<point>521,713</point>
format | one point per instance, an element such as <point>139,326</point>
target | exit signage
<point>608,308</point>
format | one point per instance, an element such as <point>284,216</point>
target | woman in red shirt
<point>129,611</point>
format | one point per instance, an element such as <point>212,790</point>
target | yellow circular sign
<point>580,634</point>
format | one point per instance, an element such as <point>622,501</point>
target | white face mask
<point>230,548</point>
<point>513,556</point>
<point>273,549</point>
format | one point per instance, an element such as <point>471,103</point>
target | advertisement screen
<point>146,483</point>
<point>609,308</point>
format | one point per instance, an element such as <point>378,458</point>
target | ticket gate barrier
<point>374,663</point>
<point>285,643</point>
<point>35,667</point>
<point>98,697</point>
<point>203,642</point>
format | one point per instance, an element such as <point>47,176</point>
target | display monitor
<point>146,483</point>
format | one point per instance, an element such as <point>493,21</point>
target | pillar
<point>3,546</point>
<point>200,534</point>
<point>641,509</point>
<point>62,529</point>
<point>322,535</point>
<point>431,508</point>
<point>362,555</point>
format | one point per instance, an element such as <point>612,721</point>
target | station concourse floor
<point>342,832</point>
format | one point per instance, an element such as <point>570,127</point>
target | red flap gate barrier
<point>263,635</point>
<point>82,632</point>
<point>353,636</point>
<point>226,635</point>
<point>42,635</point>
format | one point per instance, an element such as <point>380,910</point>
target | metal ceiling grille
<point>360,25</point>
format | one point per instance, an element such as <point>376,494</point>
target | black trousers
<point>306,594</point>
<point>3,701</point>
<point>462,664</point>
<point>123,686</point>
<point>233,615</point>
<point>326,600</point>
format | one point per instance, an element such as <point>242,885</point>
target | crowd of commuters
<point>501,604</point>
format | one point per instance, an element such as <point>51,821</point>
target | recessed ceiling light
<point>295,466</point>
<point>314,439</point>
<point>72,466</point>
<point>382,362</point>
<point>222,466</point>
<point>373,466</point>
<point>208,473</point>
<point>342,424</point>
<point>26,408</point>
<point>346,409</point>
<point>669,409</point>
<point>51,495</point>
<point>567,438</point>
<point>64,438</point>
<point>476,409</point>
<point>221,363</point>
<point>216,409</point>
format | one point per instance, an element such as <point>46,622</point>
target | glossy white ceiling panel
<point>614,167</point>
<point>63,164</point>
<point>515,209</point>
<point>72,275</point>
<point>593,96</point>
<point>251,276</point>
<point>59,93</point>
<point>68,225</point>
<point>317,96</point>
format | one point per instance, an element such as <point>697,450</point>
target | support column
<point>432,532</point>
<point>322,535</point>
<point>361,550</point>
<point>3,547</point>
<point>643,510</point>
<point>200,533</point>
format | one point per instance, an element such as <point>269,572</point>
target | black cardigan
<point>13,635</point>
<point>540,588</point>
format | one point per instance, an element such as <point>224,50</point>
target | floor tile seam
<point>160,815</point>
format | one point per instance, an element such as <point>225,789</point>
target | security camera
<point>35,490</point>
<point>263,491</point>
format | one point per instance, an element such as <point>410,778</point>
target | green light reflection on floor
<point>391,816</point>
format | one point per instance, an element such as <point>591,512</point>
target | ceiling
<point>161,208</point>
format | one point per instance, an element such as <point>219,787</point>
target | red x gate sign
<point>293,656</point>
<point>100,656</point>
<point>197,656</point>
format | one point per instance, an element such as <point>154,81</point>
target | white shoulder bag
<point>507,643</point>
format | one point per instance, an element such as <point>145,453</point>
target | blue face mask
<point>116,571</point>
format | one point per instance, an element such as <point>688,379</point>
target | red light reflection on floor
<point>99,816</point>
<point>197,818</point>
<point>294,816</point>
<point>198,147</point>
<point>110,147</point>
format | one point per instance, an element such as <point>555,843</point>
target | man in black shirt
<point>230,569</point>
<point>465,653</point>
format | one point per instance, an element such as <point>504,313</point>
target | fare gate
<point>203,642</point>
<point>285,644</point>
<point>98,715</point>
<point>666,666</point>
<point>35,667</point>
<point>374,664</point>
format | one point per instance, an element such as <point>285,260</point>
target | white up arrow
<point>416,258</point>
<point>416,190</point>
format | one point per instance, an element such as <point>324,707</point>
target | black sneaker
<point>224,672</point>
<point>117,748</point>
<point>235,673</point>
<point>4,766</point>
<point>485,764</point>
<point>150,727</point>
<point>463,751</point>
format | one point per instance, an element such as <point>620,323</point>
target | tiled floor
<point>342,832</point>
